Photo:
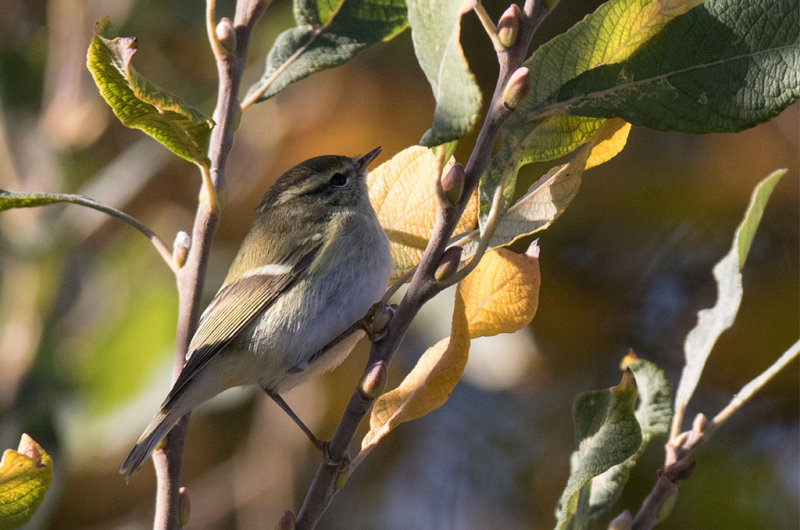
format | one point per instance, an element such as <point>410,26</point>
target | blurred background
<point>87,308</point>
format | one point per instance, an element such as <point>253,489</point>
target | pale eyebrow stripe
<point>270,269</point>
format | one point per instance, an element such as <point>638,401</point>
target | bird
<point>313,263</point>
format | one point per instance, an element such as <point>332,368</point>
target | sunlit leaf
<point>25,476</point>
<point>548,197</point>
<point>328,33</point>
<point>140,104</point>
<point>427,386</point>
<point>653,412</point>
<point>607,434</point>
<point>727,273</point>
<point>402,191</point>
<point>610,146</point>
<point>502,293</point>
<point>722,67</point>
<point>609,35</point>
<point>436,30</point>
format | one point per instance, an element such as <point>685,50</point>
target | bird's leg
<point>376,322</point>
<point>319,444</point>
<point>288,410</point>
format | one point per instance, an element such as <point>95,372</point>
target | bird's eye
<point>338,180</point>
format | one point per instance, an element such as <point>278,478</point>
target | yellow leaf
<point>615,136</point>
<point>25,475</point>
<point>426,387</point>
<point>502,293</point>
<point>402,191</point>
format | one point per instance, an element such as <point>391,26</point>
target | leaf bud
<point>448,265</point>
<point>380,319</point>
<point>286,522</point>
<point>180,248</point>
<point>453,183</point>
<point>226,34</point>
<point>373,382</point>
<point>184,506</point>
<point>517,88</point>
<point>508,25</point>
<point>340,480</point>
<point>623,521</point>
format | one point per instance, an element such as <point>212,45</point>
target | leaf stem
<point>211,29</point>
<point>754,386</point>
<point>489,26</point>
<point>158,243</point>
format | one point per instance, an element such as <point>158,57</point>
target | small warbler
<point>313,263</point>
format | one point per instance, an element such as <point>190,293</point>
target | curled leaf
<point>25,476</point>
<point>426,387</point>
<point>402,191</point>
<point>139,104</point>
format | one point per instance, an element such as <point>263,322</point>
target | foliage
<point>25,476</point>
<point>720,66</point>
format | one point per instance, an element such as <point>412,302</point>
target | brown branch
<point>191,276</point>
<point>423,285</point>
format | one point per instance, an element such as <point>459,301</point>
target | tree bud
<point>380,319</point>
<point>448,264</point>
<point>180,248</point>
<point>341,480</point>
<point>453,183</point>
<point>286,522</point>
<point>226,34</point>
<point>623,521</point>
<point>517,88</point>
<point>373,382</point>
<point>184,506</point>
<point>508,25</point>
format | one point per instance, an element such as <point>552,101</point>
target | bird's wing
<point>238,303</point>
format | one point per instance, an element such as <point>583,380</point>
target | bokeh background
<point>87,309</point>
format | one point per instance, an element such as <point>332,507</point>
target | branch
<point>230,65</point>
<point>678,465</point>
<point>423,286</point>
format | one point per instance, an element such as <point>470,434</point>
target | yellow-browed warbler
<point>313,263</point>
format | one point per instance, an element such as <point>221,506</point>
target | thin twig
<point>422,286</point>
<point>191,276</point>
<point>678,464</point>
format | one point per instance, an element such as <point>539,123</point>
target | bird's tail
<point>155,432</point>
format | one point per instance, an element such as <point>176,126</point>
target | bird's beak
<point>363,161</point>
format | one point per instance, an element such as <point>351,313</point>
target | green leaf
<point>435,30</point>
<point>610,34</point>
<point>722,67</point>
<point>328,33</point>
<point>607,434</point>
<point>653,412</point>
<point>139,104</point>
<point>727,273</point>
<point>25,476</point>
